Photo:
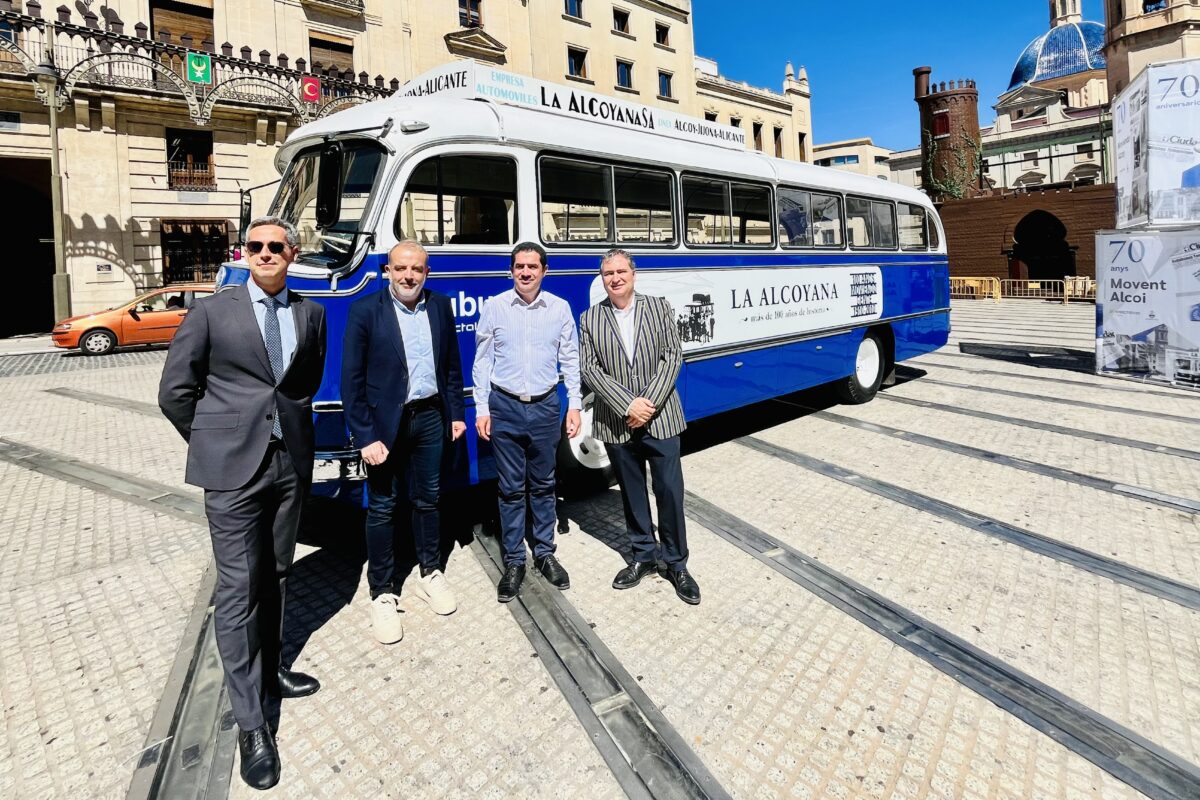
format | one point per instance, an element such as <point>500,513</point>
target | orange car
<point>151,318</point>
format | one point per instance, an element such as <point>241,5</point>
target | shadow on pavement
<point>1046,357</point>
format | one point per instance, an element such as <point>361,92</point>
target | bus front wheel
<point>869,363</point>
<point>583,463</point>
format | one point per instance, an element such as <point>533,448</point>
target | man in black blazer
<point>238,385</point>
<point>402,392</point>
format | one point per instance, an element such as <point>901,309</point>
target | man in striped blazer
<point>631,356</point>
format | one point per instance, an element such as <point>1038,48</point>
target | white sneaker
<point>435,590</point>
<point>385,619</point>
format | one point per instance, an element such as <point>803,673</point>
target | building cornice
<point>678,11</point>
<point>723,88</point>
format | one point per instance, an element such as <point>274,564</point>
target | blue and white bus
<point>783,275</point>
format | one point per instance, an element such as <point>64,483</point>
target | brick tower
<point>951,152</point>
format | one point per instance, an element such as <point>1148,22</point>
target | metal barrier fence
<point>975,288</point>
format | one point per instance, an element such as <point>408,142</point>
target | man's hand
<point>573,423</point>
<point>633,424</point>
<point>483,427</point>
<point>375,453</point>
<point>457,429</point>
<point>641,410</point>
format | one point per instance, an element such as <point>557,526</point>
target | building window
<point>802,143</point>
<point>331,51</point>
<point>193,249</point>
<point>1030,159</point>
<point>1153,5</point>
<point>735,121</point>
<point>620,20</point>
<point>189,161</point>
<point>710,116</point>
<point>574,8</point>
<point>1084,152</point>
<point>624,74</point>
<point>941,125</point>
<point>778,134</point>
<point>664,84</point>
<point>576,62</point>
<point>756,129</point>
<point>986,165</point>
<point>881,160</point>
<point>179,19</point>
<point>468,14</point>
<point>662,34</point>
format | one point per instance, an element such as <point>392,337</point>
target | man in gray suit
<point>238,385</point>
<point>631,357</point>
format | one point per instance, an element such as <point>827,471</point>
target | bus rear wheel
<point>869,362</point>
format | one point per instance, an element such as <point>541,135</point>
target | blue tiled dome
<point>1063,50</point>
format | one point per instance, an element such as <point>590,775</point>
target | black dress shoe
<point>553,571</point>
<point>260,758</point>
<point>685,585</point>
<point>510,584</point>
<point>633,573</point>
<point>296,684</point>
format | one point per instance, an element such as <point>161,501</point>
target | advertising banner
<point>473,80</point>
<point>1148,305</point>
<point>717,308</point>
<point>1156,126</point>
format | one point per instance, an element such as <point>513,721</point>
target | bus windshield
<point>296,201</point>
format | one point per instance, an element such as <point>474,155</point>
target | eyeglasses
<point>256,247</point>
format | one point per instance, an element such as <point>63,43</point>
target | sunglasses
<point>256,247</point>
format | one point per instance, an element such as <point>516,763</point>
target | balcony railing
<point>191,177</point>
<point>88,55</point>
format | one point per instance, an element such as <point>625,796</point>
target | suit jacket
<point>219,392</point>
<point>375,369</point>
<point>606,370</point>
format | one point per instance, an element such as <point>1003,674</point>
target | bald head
<point>411,245</point>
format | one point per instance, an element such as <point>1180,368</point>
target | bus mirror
<point>329,186</point>
<point>244,216</point>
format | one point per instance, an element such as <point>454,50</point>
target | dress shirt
<point>521,346</point>
<point>418,350</point>
<point>283,313</point>
<point>627,325</point>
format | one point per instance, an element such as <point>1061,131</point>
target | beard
<point>406,295</point>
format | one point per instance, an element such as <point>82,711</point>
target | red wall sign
<point>310,89</point>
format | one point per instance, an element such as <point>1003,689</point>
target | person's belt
<point>433,401</point>
<point>524,398</point>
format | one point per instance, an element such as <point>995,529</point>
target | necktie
<point>274,342</point>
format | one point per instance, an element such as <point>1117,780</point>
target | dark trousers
<point>409,478</point>
<point>666,474</point>
<point>253,532</point>
<point>525,441</point>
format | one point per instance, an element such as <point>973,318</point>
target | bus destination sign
<point>477,81</point>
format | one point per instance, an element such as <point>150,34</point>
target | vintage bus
<point>783,275</point>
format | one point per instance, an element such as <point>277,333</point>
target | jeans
<point>409,478</point>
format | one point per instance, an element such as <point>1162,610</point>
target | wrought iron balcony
<point>187,176</point>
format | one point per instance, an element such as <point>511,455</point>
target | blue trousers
<point>406,484</point>
<point>525,441</point>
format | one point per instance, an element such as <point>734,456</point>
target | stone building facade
<point>1142,32</point>
<point>154,163</point>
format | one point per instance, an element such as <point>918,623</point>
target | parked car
<point>151,318</point>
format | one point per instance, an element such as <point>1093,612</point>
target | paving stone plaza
<point>983,584</point>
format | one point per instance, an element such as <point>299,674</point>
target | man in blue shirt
<point>525,336</point>
<point>402,394</point>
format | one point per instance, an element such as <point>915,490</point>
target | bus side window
<point>576,201</point>
<point>935,239</point>
<point>912,227</point>
<point>644,207</point>
<point>706,211</point>
<point>751,214</point>
<point>460,200</point>
<point>793,208</point>
<point>826,220</point>
<point>871,223</point>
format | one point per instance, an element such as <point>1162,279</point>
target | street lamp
<point>47,77</point>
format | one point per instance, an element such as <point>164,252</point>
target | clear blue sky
<point>860,54</point>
